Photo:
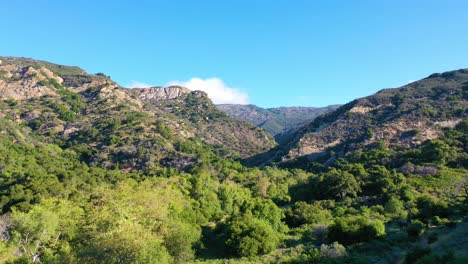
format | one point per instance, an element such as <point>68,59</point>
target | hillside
<point>91,172</point>
<point>92,113</point>
<point>403,117</point>
<point>280,122</point>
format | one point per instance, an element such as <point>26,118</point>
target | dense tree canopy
<point>59,207</point>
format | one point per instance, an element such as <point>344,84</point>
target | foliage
<point>248,236</point>
<point>355,229</point>
<point>333,251</point>
<point>303,213</point>
<point>88,177</point>
<point>416,228</point>
<point>416,253</point>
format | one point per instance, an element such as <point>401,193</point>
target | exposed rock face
<point>22,78</point>
<point>22,83</point>
<point>160,93</point>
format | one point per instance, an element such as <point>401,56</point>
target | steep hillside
<point>280,122</point>
<point>400,117</point>
<point>92,113</point>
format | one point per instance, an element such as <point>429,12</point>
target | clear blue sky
<point>279,52</point>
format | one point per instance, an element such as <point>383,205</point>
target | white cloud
<point>216,89</point>
<point>137,84</point>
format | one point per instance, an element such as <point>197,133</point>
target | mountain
<point>402,117</point>
<point>280,122</point>
<point>91,172</point>
<point>92,113</point>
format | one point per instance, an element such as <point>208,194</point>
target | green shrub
<point>395,209</point>
<point>354,229</point>
<point>44,82</point>
<point>436,220</point>
<point>35,124</point>
<point>430,207</point>
<point>303,213</point>
<point>163,130</point>
<point>247,237</point>
<point>415,229</point>
<point>11,102</point>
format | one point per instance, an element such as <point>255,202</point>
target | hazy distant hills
<point>280,122</point>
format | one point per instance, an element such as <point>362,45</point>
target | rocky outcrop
<point>21,83</point>
<point>160,93</point>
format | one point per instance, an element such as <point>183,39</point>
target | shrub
<point>44,82</point>
<point>439,221</point>
<point>395,209</point>
<point>304,213</point>
<point>248,237</point>
<point>35,124</point>
<point>335,250</point>
<point>11,102</point>
<point>163,130</point>
<point>429,207</point>
<point>437,151</point>
<point>355,229</point>
<point>416,228</point>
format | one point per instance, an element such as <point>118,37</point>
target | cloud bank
<point>216,89</point>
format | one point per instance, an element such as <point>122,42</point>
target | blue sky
<point>265,52</point>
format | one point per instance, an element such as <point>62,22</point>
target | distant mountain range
<point>280,122</point>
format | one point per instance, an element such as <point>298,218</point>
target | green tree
<point>355,229</point>
<point>129,242</point>
<point>438,152</point>
<point>395,209</point>
<point>303,213</point>
<point>338,184</point>
<point>44,231</point>
<point>247,237</point>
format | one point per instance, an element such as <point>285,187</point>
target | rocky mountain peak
<point>160,93</point>
<point>165,93</point>
<point>20,83</point>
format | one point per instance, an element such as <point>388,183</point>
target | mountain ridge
<point>405,116</point>
<point>280,122</point>
<point>77,107</point>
